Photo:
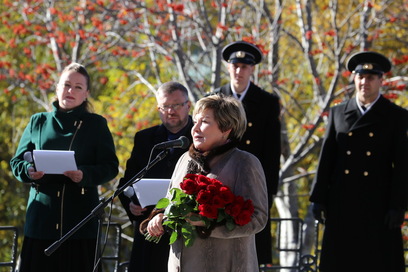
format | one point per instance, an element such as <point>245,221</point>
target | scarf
<point>199,163</point>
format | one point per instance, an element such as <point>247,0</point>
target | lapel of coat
<point>225,90</point>
<point>351,113</point>
<point>250,96</point>
<point>374,115</point>
<point>160,135</point>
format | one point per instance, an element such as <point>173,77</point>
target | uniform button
<point>249,124</point>
<point>365,173</point>
<point>56,226</point>
<point>248,142</point>
<point>350,134</point>
<point>58,194</point>
<point>348,152</point>
<point>368,153</point>
<point>371,134</point>
<point>346,171</point>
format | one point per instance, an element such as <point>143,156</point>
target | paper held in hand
<point>150,191</point>
<point>54,161</point>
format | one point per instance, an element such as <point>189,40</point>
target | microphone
<point>130,193</point>
<point>181,142</point>
<point>28,156</point>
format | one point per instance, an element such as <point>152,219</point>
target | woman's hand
<point>76,176</point>
<point>155,226</point>
<point>197,223</point>
<point>136,210</point>
<point>35,175</point>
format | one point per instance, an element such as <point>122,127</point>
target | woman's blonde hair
<point>228,113</point>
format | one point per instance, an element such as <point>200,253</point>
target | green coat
<point>56,204</point>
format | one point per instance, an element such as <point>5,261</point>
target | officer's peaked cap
<point>242,52</point>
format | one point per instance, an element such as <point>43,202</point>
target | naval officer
<point>360,188</point>
<point>262,136</point>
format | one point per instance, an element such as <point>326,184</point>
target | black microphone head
<point>185,142</point>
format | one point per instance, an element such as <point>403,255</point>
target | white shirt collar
<point>242,94</point>
<point>367,106</point>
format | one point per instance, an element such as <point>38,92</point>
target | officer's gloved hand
<point>319,212</point>
<point>394,218</point>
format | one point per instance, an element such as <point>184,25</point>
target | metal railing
<point>293,252</point>
<point>111,251</point>
<point>304,262</point>
<point>298,262</point>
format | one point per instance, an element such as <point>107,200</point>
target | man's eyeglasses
<point>173,107</point>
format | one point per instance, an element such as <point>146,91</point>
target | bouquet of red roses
<point>202,199</point>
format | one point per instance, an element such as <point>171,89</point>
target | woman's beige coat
<point>225,251</point>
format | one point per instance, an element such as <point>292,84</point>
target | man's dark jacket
<point>362,174</point>
<point>148,256</point>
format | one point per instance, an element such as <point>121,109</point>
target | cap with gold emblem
<point>242,52</point>
<point>368,63</point>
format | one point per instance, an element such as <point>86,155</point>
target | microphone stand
<point>99,209</point>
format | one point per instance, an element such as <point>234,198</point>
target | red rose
<point>202,185</point>
<point>249,206</point>
<point>212,188</point>
<point>189,186</point>
<point>202,178</point>
<point>202,182</point>
<point>216,183</point>
<point>226,194</point>
<point>243,218</point>
<point>235,207</point>
<point>218,202</point>
<point>204,197</point>
<point>208,211</point>
<point>190,176</point>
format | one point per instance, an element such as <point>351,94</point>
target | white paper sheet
<point>150,191</point>
<point>54,161</point>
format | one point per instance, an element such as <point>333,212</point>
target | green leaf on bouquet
<point>173,237</point>
<point>221,215</point>
<point>176,194</point>
<point>230,225</point>
<point>162,203</point>
<point>189,234</point>
<point>173,211</point>
<point>185,209</point>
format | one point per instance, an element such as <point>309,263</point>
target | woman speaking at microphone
<point>58,202</point>
<point>219,123</point>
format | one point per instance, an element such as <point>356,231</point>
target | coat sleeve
<point>104,166</point>
<point>321,183</point>
<point>134,165</point>
<point>272,150</point>
<point>399,188</point>
<point>19,166</point>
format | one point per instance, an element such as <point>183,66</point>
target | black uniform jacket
<point>148,256</point>
<point>363,173</point>
<point>262,136</point>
